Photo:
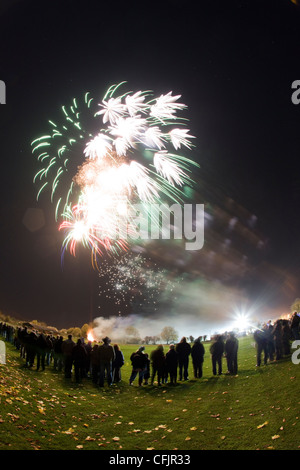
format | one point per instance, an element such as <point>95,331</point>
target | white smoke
<point>199,308</point>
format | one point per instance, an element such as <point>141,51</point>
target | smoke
<point>198,308</point>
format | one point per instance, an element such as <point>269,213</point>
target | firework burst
<point>106,156</point>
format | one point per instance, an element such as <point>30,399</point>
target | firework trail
<point>105,157</point>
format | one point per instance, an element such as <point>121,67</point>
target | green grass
<point>258,409</point>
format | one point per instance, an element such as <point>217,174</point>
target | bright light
<point>80,230</point>
<point>90,336</point>
<point>241,322</point>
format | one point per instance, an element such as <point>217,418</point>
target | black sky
<point>232,62</point>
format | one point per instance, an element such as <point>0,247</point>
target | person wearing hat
<point>106,355</point>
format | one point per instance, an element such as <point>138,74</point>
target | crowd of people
<point>103,362</point>
<point>167,367</point>
<point>273,340</point>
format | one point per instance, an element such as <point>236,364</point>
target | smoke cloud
<point>198,308</point>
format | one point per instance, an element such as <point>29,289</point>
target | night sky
<point>232,62</point>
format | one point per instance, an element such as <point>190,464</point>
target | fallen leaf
<point>69,431</point>
<point>262,425</point>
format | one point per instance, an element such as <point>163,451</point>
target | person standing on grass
<point>41,346</point>
<point>147,370</point>
<point>183,350</point>
<point>295,323</point>
<point>261,346</point>
<point>268,332</point>
<point>277,334</point>
<point>118,362</point>
<point>172,364</point>
<point>58,354</point>
<point>158,363</point>
<point>231,353</point>
<point>217,351</point>
<point>139,365</point>
<point>286,338</point>
<point>48,349</point>
<point>197,353</point>
<point>67,348</point>
<point>106,354</point>
<point>31,348</point>
<point>79,359</point>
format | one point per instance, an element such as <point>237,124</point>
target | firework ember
<point>94,179</point>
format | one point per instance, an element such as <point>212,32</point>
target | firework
<point>135,281</point>
<point>106,156</point>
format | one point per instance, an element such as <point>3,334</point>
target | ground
<point>257,409</point>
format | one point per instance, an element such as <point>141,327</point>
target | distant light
<point>90,336</point>
<point>241,321</point>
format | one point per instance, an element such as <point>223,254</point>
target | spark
<point>92,177</point>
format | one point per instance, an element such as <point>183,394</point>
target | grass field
<point>258,409</point>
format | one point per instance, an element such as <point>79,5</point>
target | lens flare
<point>241,322</point>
